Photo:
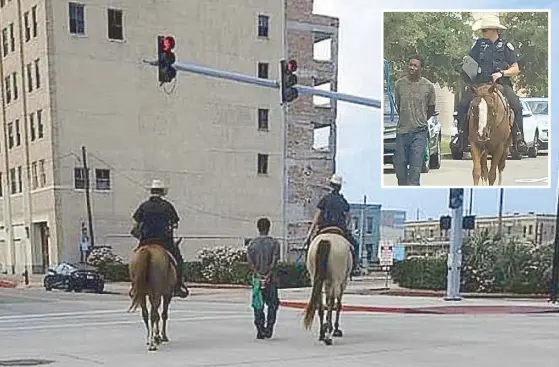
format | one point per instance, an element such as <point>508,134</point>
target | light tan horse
<point>329,262</point>
<point>490,121</point>
<point>153,276</point>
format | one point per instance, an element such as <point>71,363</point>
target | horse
<point>329,263</point>
<point>490,120</point>
<point>153,275</point>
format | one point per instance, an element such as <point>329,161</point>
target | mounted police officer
<point>497,61</point>
<point>156,218</point>
<point>333,211</point>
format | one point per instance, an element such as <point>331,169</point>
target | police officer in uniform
<point>333,211</point>
<point>497,62</point>
<point>155,220</point>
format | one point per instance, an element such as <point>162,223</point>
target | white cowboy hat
<point>158,184</point>
<point>488,22</point>
<point>336,180</point>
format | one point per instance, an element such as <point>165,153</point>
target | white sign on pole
<point>386,255</point>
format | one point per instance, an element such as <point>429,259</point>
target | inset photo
<point>466,99</point>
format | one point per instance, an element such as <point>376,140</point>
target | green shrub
<point>114,272</point>
<point>421,273</point>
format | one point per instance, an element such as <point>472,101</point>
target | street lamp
<point>555,268</point>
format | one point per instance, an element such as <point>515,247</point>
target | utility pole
<point>471,201</point>
<point>456,202</point>
<point>501,195</point>
<point>555,267</point>
<point>87,198</point>
<point>362,232</point>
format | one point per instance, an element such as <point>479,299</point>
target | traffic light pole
<point>455,252</point>
<point>268,83</point>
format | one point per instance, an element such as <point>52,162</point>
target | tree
<point>528,32</point>
<point>441,39</point>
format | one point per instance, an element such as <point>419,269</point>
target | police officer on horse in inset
<point>497,62</point>
<point>333,211</point>
<point>156,218</point>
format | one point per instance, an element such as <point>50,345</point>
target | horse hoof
<point>157,340</point>
<point>338,333</point>
<point>164,339</point>
<point>321,338</point>
<point>328,341</point>
<point>152,348</point>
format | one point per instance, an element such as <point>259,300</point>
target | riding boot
<point>520,143</point>
<point>181,290</point>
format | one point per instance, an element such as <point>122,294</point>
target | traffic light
<point>288,81</point>
<point>166,58</point>
<point>445,222</point>
<point>456,198</point>
<point>469,222</point>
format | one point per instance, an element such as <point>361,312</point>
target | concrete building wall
<point>201,137</point>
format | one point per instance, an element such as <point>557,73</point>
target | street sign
<point>386,255</point>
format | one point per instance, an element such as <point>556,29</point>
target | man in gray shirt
<point>415,100</point>
<point>263,254</point>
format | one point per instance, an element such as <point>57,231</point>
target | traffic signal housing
<point>456,198</point>
<point>445,222</point>
<point>288,80</point>
<point>166,58</point>
<point>469,222</point>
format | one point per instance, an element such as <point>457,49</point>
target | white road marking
<point>113,323</point>
<point>532,180</point>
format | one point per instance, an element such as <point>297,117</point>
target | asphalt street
<point>528,172</point>
<point>73,329</point>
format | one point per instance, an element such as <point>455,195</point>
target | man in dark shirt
<point>263,254</point>
<point>155,220</point>
<point>497,62</point>
<point>333,211</point>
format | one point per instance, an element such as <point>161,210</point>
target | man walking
<point>263,254</point>
<point>415,97</point>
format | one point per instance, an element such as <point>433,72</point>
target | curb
<point>7,284</point>
<point>438,310</point>
<point>404,293</point>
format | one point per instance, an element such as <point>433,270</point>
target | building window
<point>102,179</point>
<point>263,21</point>
<point>37,75</point>
<point>34,20</point>
<point>18,134</point>
<point>40,125</point>
<point>29,78</point>
<point>79,178</point>
<point>263,119</point>
<point>32,126</point>
<point>5,43</point>
<point>370,225</point>
<point>19,179</point>
<point>34,176</point>
<point>42,173</point>
<point>8,89</point>
<point>263,70</point>
<point>10,135</point>
<point>77,18</point>
<point>14,82</point>
<point>27,26</point>
<point>12,38</point>
<point>115,24</point>
<point>13,182</point>
<point>262,164</point>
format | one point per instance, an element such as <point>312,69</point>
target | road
<point>72,329</point>
<point>528,172</point>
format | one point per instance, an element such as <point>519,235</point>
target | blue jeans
<point>409,155</point>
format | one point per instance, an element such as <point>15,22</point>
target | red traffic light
<point>291,66</point>
<point>168,43</point>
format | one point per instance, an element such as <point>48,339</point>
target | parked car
<point>433,155</point>
<point>74,277</point>
<point>539,107</point>
<point>529,134</point>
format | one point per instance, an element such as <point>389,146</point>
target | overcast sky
<point>359,127</point>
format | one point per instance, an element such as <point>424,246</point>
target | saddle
<point>332,230</point>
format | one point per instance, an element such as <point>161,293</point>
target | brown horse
<point>152,275</point>
<point>490,121</point>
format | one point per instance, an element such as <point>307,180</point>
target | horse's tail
<point>140,278</point>
<point>321,272</point>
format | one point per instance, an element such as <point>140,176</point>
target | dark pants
<point>514,103</point>
<point>409,156</point>
<point>354,248</point>
<point>271,300</point>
